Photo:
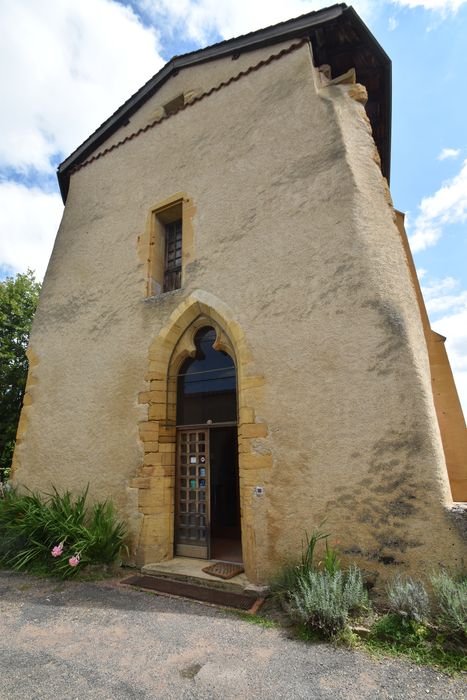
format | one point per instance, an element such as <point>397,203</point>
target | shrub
<point>58,533</point>
<point>325,600</point>
<point>450,603</point>
<point>355,595</point>
<point>11,540</point>
<point>409,599</point>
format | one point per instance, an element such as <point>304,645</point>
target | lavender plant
<point>409,599</point>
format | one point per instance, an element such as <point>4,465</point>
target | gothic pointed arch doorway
<point>207,496</point>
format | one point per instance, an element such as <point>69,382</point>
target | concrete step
<point>189,570</point>
<point>202,593</point>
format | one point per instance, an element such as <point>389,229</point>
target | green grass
<point>311,636</point>
<point>96,574</point>
<point>394,636</point>
<point>254,619</point>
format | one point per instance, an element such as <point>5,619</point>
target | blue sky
<point>67,65</point>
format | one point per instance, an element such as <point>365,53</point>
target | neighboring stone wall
<point>293,242</point>
<point>450,417</point>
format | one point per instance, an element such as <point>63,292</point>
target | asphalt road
<point>104,641</point>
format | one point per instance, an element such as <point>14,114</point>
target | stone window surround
<point>151,243</point>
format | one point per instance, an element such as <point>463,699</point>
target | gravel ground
<point>102,640</point>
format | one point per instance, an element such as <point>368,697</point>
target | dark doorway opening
<point>225,495</point>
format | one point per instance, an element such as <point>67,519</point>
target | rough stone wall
<point>191,82</point>
<point>294,234</point>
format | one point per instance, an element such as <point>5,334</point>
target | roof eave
<point>387,63</point>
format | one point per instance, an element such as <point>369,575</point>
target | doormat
<point>224,570</point>
<point>204,594</point>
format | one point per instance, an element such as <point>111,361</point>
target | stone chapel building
<point>231,342</point>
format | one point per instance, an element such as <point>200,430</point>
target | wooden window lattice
<point>173,256</point>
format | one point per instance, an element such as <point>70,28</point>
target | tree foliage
<point>18,300</point>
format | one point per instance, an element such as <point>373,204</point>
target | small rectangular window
<point>167,248</point>
<point>173,256</point>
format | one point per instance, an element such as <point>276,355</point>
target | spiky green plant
<point>331,561</point>
<point>34,525</point>
<point>308,549</point>
<point>286,580</point>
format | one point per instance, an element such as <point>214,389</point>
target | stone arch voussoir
<point>156,476</point>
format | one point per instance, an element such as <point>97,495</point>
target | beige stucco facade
<point>292,252</point>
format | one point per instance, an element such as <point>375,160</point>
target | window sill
<point>162,296</point>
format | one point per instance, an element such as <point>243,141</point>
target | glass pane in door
<point>192,532</point>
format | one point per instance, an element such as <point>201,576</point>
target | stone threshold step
<point>191,571</point>
<point>201,593</point>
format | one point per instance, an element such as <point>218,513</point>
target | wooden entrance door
<point>192,494</point>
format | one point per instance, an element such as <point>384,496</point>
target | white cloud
<point>434,288</point>
<point>29,218</point>
<point>424,237</point>
<point>447,302</point>
<point>67,66</point>
<point>449,153</point>
<point>392,24</point>
<point>229,18</point>
<point>439,296</point>
<point>447,206</point>
<point>199,19</point>
<point>442,6</point>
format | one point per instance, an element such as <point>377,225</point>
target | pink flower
<point>57,551</point>
<point>74,561</point>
